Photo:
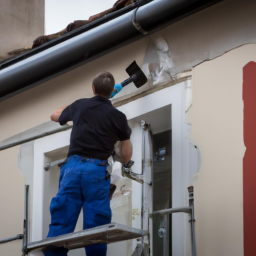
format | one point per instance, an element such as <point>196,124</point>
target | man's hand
<point>117,89</point>
<point>126,151</point>
<point>55,116</point>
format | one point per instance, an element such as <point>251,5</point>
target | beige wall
<point>21,22</point>
<point>12,201</point>
<point>217,127</point>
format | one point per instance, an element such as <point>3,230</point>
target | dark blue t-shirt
<point>97,126</point>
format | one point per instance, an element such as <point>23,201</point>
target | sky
<point>59,13</point>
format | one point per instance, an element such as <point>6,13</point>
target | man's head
<point>103,84</point>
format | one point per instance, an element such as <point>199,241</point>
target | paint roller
<point>136,76</point>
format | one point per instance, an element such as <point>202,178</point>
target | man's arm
<point>55,116</point>
<point>126,151</point>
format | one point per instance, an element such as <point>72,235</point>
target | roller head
<point>137,75</point>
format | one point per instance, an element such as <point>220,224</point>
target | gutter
<point>94,43</point>
<point>91,25</point>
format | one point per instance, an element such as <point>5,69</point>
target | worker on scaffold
<point>84,181</point>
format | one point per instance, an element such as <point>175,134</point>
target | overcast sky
<point>59,13</point>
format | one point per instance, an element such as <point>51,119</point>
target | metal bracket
<point>136,24</point>
<point>131,175</point>
<point>126,172</point>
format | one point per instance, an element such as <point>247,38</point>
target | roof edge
<point>92,44</point>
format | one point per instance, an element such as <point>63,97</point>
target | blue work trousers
<point>82,183</point>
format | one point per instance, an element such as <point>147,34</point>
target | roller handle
<point>128,80</point>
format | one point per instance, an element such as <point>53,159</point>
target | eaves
<point>84,45</point>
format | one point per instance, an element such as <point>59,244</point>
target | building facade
<point>199,102</point>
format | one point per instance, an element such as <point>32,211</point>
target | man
<point>84,181</point>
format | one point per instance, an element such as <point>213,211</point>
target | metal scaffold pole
<point>25,223</point>
<point>192,220</point>
<point>190,210</point>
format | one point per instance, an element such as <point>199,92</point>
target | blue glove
<point>117,89</point>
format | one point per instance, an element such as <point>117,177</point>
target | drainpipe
<point>95,43</point>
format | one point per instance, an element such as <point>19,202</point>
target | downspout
<point>94,43</point>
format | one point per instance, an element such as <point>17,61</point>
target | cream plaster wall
<point>21,22</point>
<point>12,201</point>
<point>217,128</point>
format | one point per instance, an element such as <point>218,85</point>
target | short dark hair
<point>104,84</point>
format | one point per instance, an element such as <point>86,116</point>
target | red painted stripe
<point>249,163</point>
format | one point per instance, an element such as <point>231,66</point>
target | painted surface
<point>35,132</point>
<point>249,163</point>
<point>217,127</point>
<point>12,201</point>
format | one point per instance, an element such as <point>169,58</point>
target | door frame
<point>174,96</point>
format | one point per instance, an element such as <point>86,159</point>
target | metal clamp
<point>127,172</point>
<point>136,24</point>
<point>161,232</point>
